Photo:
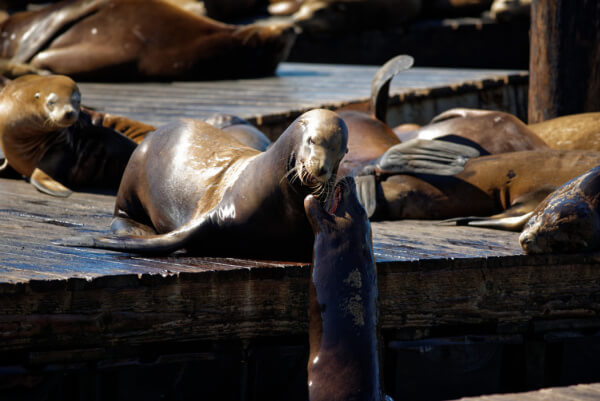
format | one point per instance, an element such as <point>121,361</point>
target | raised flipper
<point>146,244</point>
<point>134,130</point>
<point>55,21</point>
<point>424,156</point>
<point>380,86</point>
<point>367,192</point>
<point>46,184</point>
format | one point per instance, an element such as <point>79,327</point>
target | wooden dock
<point>463,311</point>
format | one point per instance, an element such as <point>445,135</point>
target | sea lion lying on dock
<point>46,137</point>
<point>575,131</point>
<point>189,186</point>
<point>343,362</point>
<point>136,40</point>
<point>568,220</point>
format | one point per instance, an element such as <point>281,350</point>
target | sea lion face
<point>324,142</point>
<point>567,220</point>
<point>57,100</point>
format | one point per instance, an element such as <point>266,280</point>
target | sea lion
<point>343,317</point>
<point>139,40</point>
<point>45,137</point>
<point>487,185</point>
<point>189,186</point>
<point>576,131</point>
<point>491,132</point>
<point>568,220</point>
<point>132,129</point>
<point>284,7</point>
<point>510,10</point>
<point>241,130</point>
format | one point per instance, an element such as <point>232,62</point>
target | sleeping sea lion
<point>343,317</point>
<point>189,186</point>
<point>139,40</point>
<point>568,220</point>
<point>491,132</point>
<point>487,185</point>
<point>45,137</point>
<point>576,131</point>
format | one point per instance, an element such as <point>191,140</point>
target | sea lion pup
<point>241,130</point>
<point>188,185</point>
<point>516,181</point>
<point>568,220</point>
<point>576,131</point>
<point>45,137</point>
<point>491,132</point>
<point>139,40</point>
<point>343,317</point>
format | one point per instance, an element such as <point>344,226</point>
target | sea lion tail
<point>380,85</point>
<point>146,244</point>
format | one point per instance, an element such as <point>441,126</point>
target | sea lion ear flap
<point>44,183</point>
<point>315,213</point>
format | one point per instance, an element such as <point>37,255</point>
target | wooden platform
<point>417,95</point>
<point>581,392</point>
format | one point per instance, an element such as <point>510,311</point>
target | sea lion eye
<point>37,95</point>
<point>310,140</point>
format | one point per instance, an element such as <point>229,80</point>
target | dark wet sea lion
<point>568,220</point>
<point>208,193</point>
<point>241,130</point>
<point>487,185</point>
<point>343,360</point>
<point>576,131</point>
<point>492,132</point>
<point>45,137</point>
<point>140,39</point>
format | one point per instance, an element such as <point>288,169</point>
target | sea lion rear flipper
<point>380,85</point>
<point>44,183</point>
<point>502,221</point>
<point>366,192</point>
<point>424,156</point>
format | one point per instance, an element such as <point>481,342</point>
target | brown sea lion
<point>45,137</point>
<point>487,185</point>
<point>576,131</point>
<point>241,130</point>
<point>140,40</point>
<point>568,220</point>
<point>284,7</point>
<point>343,361</point>
<point>189,186</point>
<point>510,10</point>
<point>492,132</point>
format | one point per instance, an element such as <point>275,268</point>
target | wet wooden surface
<point>580,392</point>
<point>297,88</point>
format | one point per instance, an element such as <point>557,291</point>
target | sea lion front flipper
<point>424,156</point>
<point>46,184</point>
<point>508,221</point>
<point>380,86</point>
<point>366,192</point>
<point>132,129</point>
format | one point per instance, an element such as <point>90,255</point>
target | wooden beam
<point>565,58</point>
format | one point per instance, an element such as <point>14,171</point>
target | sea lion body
<point>343,360</point>
<point>140,39</point>
<point>44,136</point>
<point>492,132</point>
<point>568,220</point>
<point>487,185</point>
<point>190,186</point>
<point>576,131</point>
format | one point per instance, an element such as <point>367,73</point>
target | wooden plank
<point>579,392</point>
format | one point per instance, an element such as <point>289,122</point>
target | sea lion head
<point>323,143</point>
<point>56,98</point>
<point>567,220</point>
